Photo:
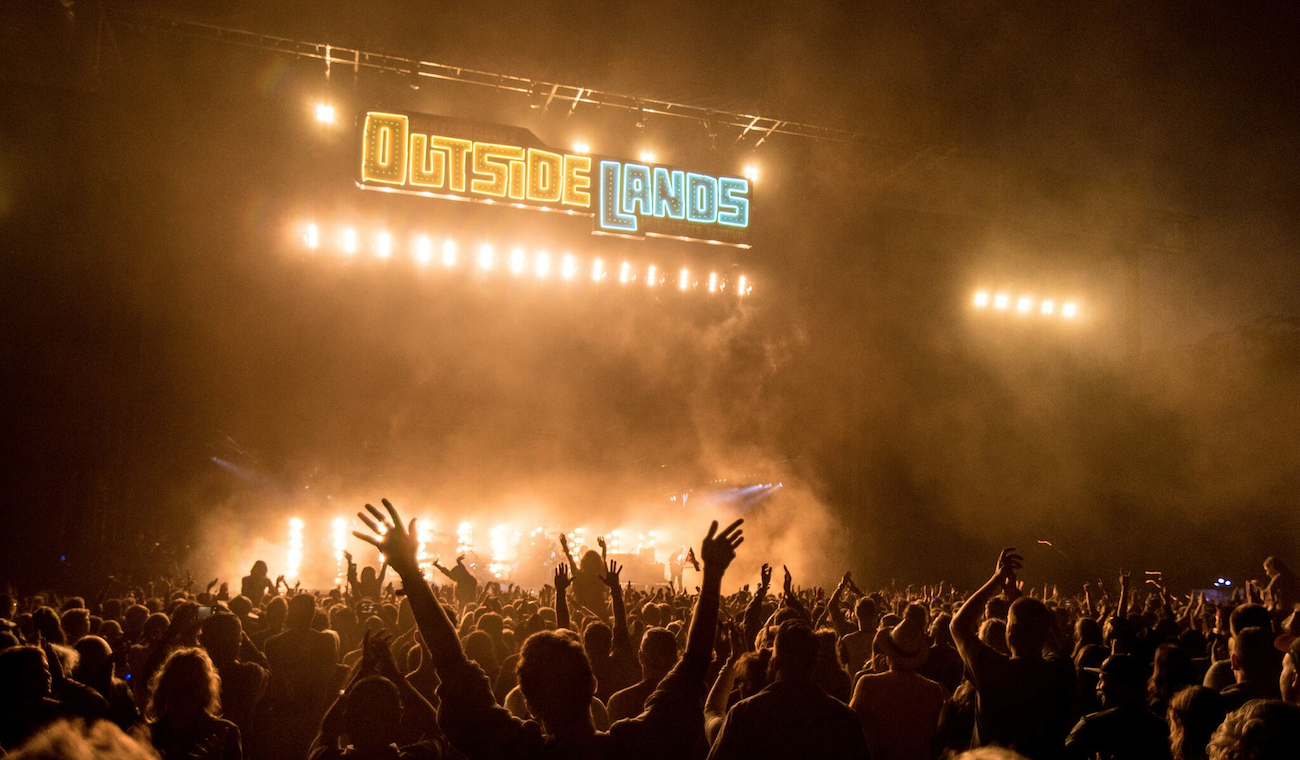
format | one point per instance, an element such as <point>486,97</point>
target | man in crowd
<point>900,709</point>
<point>1124,729</point>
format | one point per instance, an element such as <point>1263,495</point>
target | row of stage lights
<point>325,114</point>
<point>1025,305</point>
<point>567,267</point>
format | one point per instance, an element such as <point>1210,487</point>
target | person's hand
<point>562,580</point>
<point>737,637</point>
<point>788,585</point>
<point>278,580</point>
<point>394,541</point>
<point>600,541</point>
<point>611,576</point>
<point>765,576</point>
<point>382,656</point>
<point>212,583</point>
<point>347,555</point>
<point>1008,563</point>
<point>564,543</point>
<point>1124,578</point>
<point>719,550</point>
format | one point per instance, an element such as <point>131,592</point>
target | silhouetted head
<point>156,625</point>
<point>221,637</point>
<point>46,622</point>
<point>185,686</point>
<point>94,660</point>
<point>658,653</point>
<point>1122,681</point>
<point>1275,566</point>
<point>373,713</point>
<point>479,648</point>
<point>1028,623</point>
<point>556,679</point>
<point>1193,714</point>
<point>277,609</point>
<point>795,653</point>
<point>597,639</point>
<point>1290,678</point>
<point>368,575</point>
<point>866,613</point>
<point>1263,729</point>
<point>24,675</point>
<point>591,564</point>
<point>302,610</point>
<point>75,623</point>
<point>1254,658</point>
<point>258,570</point>
<point>1249,616</point>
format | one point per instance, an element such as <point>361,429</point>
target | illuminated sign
<point>414,153</point>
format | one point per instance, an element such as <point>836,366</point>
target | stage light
<point>485,257</point>
<point>624,273</point>
<point>742,286</point>
<point>597,270</point>
<point>325,113</point>
<point>1000,302</point>
<point>568,266</point>
<point>684,280</point>
<point>449,253</point>
<point>423,250</point>
<point>1024,304</point>
<point>349,241</point>
<point>751,173</point>
<point>383,245</point>
<point>311,236</point>
<point>981,299</point>
<point>517,262</point>
<point>713,282</point>
<point>1047,308</point>
<point>464,537</point>
<point>1068,310</point>
<point>293,558</point>
<point>340,526</point>
<point>543,264</point>
<point>580,146</point>
<point>647,156</point>
<point>650,279</point>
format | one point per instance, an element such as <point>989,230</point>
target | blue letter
<point>610,217</point>
<point>701,198</point>
<point>636,189</point>
<point>733,206</point>
<point>670,193</point>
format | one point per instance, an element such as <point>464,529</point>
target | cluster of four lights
<point>1047,307</point>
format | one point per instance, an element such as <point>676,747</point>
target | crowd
<point>589,667</point>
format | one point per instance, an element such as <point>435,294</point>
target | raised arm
<point>564,545</point>
<point>718,550</point>
<point>616,600</point>
<point>562,582</point>
<point>965,624</point>
<point>754,611</point>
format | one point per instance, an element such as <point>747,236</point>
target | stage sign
<point>441,157</point>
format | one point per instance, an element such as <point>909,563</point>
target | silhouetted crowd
<point>589,667</point>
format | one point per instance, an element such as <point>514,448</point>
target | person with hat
<point>899,708</point>
<point>1289,682</point>
<point>1124,727</point>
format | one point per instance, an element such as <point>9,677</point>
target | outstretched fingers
<point>371,524</point>
<point>380,516</point>
<point>392,512</point>
<point>367,538</point>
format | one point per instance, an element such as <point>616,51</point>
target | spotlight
<point>1024,304</point>
<point>311,236</point>
<point>1047,308</point>
<point>568,266</point>
<point>383,245</point>
<point>624,273</point>
<point>1000,302</point>
<point>349,241</point>
<point>580,146</point>
<point>543,264</point>
<point>449,253</point>
<point>684,280</point>
<point>423,250</point>
<point>325,113</point>
<point>1068,310</point>
<point>517,262</point>
<point>485,257</point>
<point>751,173</point>
<point>981,299</point>
<point>647,156</point>
<point>743,286</point>
<point>713,282</point>
<point>597,270</point>
<point>650,279</point>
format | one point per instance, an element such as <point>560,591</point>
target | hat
<point>1283,642</point>
<point>906,645</point>
<point>1122,667</point>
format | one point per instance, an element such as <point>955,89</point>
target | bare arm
<point>965,624</point>
<point>561,595</point>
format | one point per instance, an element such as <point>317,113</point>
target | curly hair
<point>1263,729</point>
<point>186,680</point>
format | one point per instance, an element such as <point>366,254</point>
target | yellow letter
<point>492,167</point>
<point>456,152</point>
<point>428,166</point>
<point>544,176</point>
<point>383,147</point>
<point>577,178</point>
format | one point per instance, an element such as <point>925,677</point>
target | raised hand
<point>765,576</point>
<point>212,583</point>
<point>788,585</point>
<point>719,550</point>
<point>562,579</point>
<point>278,580</point>
<point>600,541</point>
<point>1008,563</point>
<point>392,540</point>
<point>564,543</point>
<point>460,559</point>
<point>347,555</point>
<point>611,576</point>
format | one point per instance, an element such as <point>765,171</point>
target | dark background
<point>156,315</point>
